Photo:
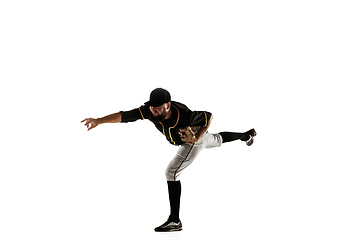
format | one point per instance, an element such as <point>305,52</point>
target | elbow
<point>208,122</point>
<point>210,119</point>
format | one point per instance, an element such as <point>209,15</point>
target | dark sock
<point>174,188</point>
<point>230,136</point>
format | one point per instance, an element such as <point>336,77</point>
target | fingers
<point>190,130</point>
<point>86,120</point>
<point>89,123</point>
<point>182,130</point>
<point>91,127</point>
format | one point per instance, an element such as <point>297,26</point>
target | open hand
<point>90,123</point>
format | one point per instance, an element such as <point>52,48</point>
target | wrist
<point>99,120</point>
<point>197,137</point>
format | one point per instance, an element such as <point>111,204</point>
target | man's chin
<point>156,119</point>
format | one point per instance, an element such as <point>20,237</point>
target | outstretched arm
<point>91,123</point>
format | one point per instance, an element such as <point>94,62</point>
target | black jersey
<point>181,117</point>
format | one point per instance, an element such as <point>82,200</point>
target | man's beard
<point>158,118</point>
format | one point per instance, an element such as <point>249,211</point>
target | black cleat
<point>252,134</point>
<point>250,141</point>
<point>169,226</point>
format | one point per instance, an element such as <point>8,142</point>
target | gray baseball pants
<point>188,152</point>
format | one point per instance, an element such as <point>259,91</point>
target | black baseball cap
<point>158,97</point>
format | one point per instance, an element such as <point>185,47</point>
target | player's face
<point>158,114</point>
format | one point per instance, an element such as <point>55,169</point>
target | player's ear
<point>168,106</point>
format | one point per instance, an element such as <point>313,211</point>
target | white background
<point>290,69</point>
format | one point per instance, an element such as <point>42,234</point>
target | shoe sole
<point>250,141</point>
<point>169,230</point>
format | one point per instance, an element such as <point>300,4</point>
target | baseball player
<point>181,127</point>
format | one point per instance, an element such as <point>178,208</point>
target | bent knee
<point>170,174</point>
